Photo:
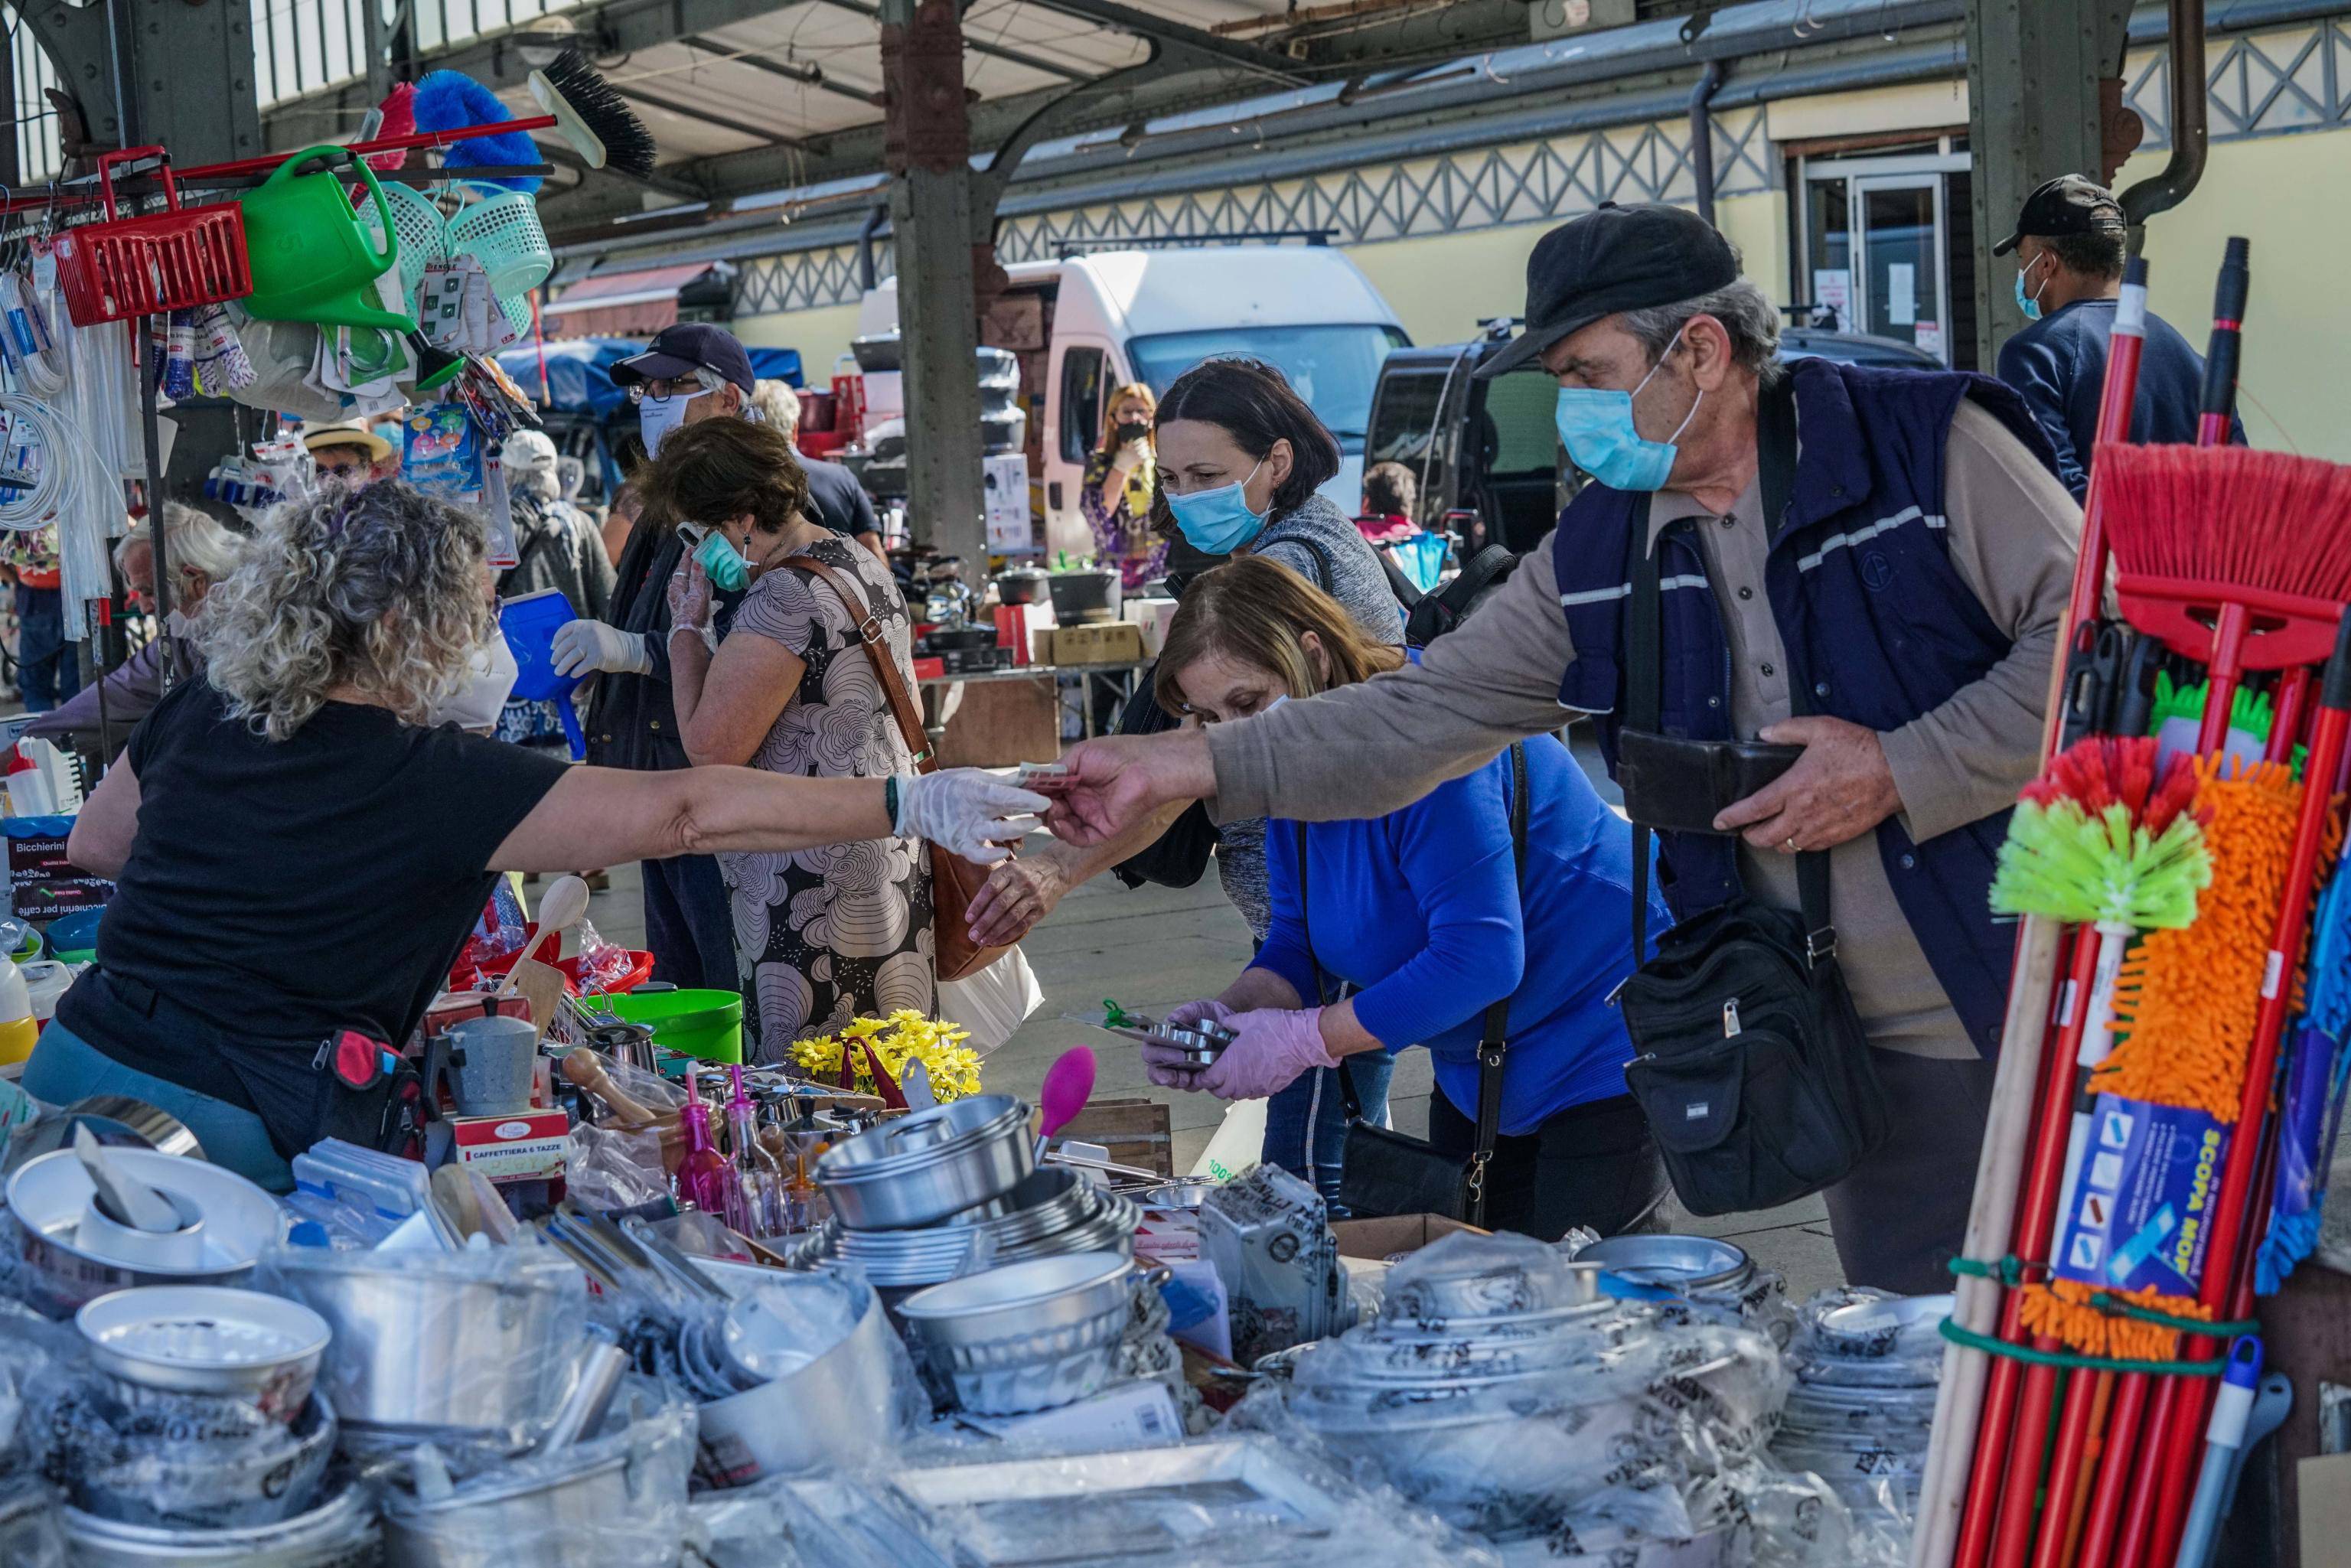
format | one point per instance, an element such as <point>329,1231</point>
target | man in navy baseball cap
<point>691,371</point>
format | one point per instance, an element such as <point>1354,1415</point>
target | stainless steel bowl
<point>1039,1370</point>
<point>1071,1215</point>
<point>422,1348</point>
<point>1679,1263</point>
<point>917,1170</point>
<point>249,1478</point>
<point>47,1198</point>
<point>1043,1293</point>
<point>837,1410</point>
<point>339,1533</point>
<point>207,1340</point>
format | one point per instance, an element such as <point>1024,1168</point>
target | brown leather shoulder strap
<point>885,668</point>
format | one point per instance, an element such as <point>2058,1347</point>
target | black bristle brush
<point>593,116</point>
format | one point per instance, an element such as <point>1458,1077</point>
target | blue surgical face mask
<point>728,571</point>
<point>657,418</point>
<point>1217,521</point>
<point>1596,426</point>
<point>2029,303</point>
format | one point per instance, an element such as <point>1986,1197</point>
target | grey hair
<point>778,405</point>
<point>197,545</point>
<point>1745,312</point>
<point>381,588</point>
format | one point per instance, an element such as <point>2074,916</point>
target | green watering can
<point>312,258</point>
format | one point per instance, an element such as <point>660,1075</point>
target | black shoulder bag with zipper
<point>1386,1173</point>
<point>1749,1062</point>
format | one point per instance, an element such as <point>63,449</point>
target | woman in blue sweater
<point>1423,913</point>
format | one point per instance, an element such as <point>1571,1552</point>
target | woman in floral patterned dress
<point>825,935</point>
<point>1114,495</point>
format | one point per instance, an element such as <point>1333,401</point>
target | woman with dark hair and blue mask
<point>1240,459</point>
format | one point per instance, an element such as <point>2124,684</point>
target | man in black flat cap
<point>2069,277</point>
<point>1895,619</point>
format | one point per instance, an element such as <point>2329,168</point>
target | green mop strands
<point>2105,838</point>
<point>2183,703</point>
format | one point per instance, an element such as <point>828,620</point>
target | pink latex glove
<point>1163,1065</point>
<point>1272,1049</point>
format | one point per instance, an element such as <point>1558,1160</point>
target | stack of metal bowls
<point>339,1533</point>
<point>1703,1270</point>
<point>1053,1211</point>
<point>922,1168</point>
<point>1864,1402</point>
<point>1029,1336</point>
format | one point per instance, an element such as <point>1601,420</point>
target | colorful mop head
<point>2179,710</point>
<point>2310,1112</point>
<point>2106,836</point>
<point>451,100</point>
<point>2185,1009</point>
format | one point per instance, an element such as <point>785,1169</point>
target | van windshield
<point>1334,369</point>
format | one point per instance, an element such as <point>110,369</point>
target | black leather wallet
<point>1678,786</point>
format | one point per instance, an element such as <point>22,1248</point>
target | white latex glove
<point>969,810</point>
<point>581,647</point>
<point>692,604</point>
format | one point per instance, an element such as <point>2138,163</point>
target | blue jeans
<point>689,929</point>
<point>1315,1101</point>
<point>47,671</point>
<point>64,1067</point>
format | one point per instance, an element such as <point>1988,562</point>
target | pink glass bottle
<point>759,1179</point>
<point>704,1178</point>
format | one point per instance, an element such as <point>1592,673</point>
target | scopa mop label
<point>2141,1204</point>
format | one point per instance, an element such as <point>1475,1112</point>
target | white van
<point>1091,323</point>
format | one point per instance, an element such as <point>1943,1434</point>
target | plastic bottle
<point>759,1179</point>
<point>704,1178</point>
<point>18,1028</point>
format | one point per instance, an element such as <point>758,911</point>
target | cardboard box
<point>930,668</point>
<point>42,883</point>
<point>1394,1235</point>
<point>1151,615</point>
<point>532,1147</point>
<point>996,723</point>
<point>1111,643</point>
<point>1017,629</point>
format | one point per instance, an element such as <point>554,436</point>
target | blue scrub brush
<point>451,100</point>
<point>2311,1112</point>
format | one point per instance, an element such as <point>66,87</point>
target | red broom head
<point>399,120</point>
<point>2232,515</point>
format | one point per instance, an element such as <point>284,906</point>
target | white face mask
<point>489,676</point>
<point>656,420</point>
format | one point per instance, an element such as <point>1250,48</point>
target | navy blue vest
<point>1879,624</point>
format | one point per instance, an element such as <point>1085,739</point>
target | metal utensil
<point>132,1201</point>
<point>597,1380</point>
<point>914,1083</point>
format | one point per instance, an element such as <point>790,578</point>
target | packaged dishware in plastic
<point>32,1530</point>
<point>1267,1234</point>
<point>616,1500</point>
<point>835,1386</point>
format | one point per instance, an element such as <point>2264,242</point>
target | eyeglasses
<point>662,389</point>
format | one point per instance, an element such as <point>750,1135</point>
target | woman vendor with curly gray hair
<point>300,845</point>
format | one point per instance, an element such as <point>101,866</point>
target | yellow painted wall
<point>819,334</point>
<point>1441,285</point>
<point>2282,193</point>
<point>1758,226</point>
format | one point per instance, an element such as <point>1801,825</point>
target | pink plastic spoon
<point>1069,1082</point>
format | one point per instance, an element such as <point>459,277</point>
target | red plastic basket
<point>171,260</point>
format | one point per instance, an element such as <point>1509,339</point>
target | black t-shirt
<point>284,890</point>
<point>837,501</point>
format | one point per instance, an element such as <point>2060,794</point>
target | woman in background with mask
<point>1240,458</point>
<point>300,849</point>
<point>828,935</point>
<point>1118,486</point>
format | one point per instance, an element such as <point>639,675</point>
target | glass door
<point>1898,253</point>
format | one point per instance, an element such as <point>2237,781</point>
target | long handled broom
<point>2029,1017</point>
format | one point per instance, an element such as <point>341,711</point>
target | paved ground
<point>1154,946</point>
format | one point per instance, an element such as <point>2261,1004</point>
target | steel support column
<point>2037,108</point>
<point>928,154</point>
<point>189,76</point>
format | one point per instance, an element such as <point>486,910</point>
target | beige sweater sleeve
<point>2013,533</point>
<point>1367,749</point>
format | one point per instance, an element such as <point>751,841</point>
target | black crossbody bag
<point>1386,1173</point>
<point>1749,1060</point>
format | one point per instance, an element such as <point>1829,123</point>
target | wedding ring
<point>1792,845</point>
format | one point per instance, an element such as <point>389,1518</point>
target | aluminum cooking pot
<point>339,1533</point>
<point>916,1170</point>
<point>427,1345</point>
<point>1021,1298</point>
<point>50,1197</point>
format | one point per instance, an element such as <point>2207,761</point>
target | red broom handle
<point>2217,410</point>
<point>2172,1431</point>
<point>2065,1466</point>
<point>2116,399</point>
<point>1997,1431</point>
<point>2099,1537</point>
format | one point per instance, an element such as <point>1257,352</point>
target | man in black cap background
<point>689,372</point>
<point>2069,271</point>
<point>1896,622</point>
